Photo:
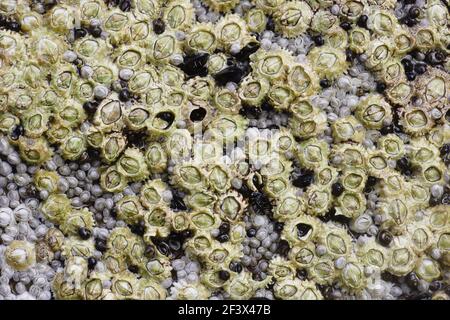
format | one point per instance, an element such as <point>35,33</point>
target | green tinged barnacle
<point>35,122</point>
<point>230,206</point>
<point>373,112</point>
<point>231,29</point>
<point>358,40</point>
<point>256,20</point>
<point>157,222</point>
<point>252,91</point>
<point>392,145</point>
<point>129,209</point>
<point>135,118</point>
<point>325,175</point>
<point>221,5</point>
<point>74,247</point>
<point>336,240</point>
<point>20,255</point>
<point>293,18</point>
<point>46,180</point>
<point>400,92</point>
<point>73,146</point>
<point>77,219</point>
<point>374,255</point>
<point>56,208</point>
<point>156,158</point>
<point>313,153</point>
<point>322,270</point>
<point>109,115</point>
<point>378,52</point>
<point>402,258</point>
<point>150,290</point>
<point>111,180</point>
<point>351,204</point>
<point>348,128</point>
<point>204,219</point>
<point>132,165</point>
<point>328,62</point>
<point>151,193</point>
<point>124,285</point>
<point>112,146</point>
<point>34,150</point>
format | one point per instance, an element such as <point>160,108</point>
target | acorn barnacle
<point>348,128</point>
<point>34,150</point>
<point>271,65</point>
<point>349,155</point>
<point>392,145</point>
<point>336,240</point>
<point>322,270</point>
<point>293,18</point>
<point>150,290</point>
<point>221,5</point>
<point>56,208</point>
<point>327,62</point>
<point>20,255</point>
<point>111,180</point>
<point>318,200</point>
<point>374,112</point>
<point>256,20</point>
<point>301,230</point>
<point>287,289</point>
<point>378,52</point>
<point>352,276</point>
<point>157,222</point>
<point>156,157</point>
<point>132,165</point>
<point>112,146</point>
<point>402,257</point>
<point>433,87</point>
<point>243,287</point>
<point>373,254</point>
<point>351,204</point>
<point>358,39</point>
<point>313,153</point>
<point>129,209</point>
<point>416,121</point>
<point>231,29</point>
<point>230,206</point>
<point>46,180</point>
<point>182,290</point>
<point>124,285</point>
<point>253,91</point>
<point>302,79</point>
<point>76,220</point>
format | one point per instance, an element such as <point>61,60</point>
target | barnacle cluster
<point>224,149</point>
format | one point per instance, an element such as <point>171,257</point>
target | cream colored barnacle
<point>318,200</point>
<point>328,62</point>
<point>302,230</point>
<point>374,112</point>
<point>269,6</point>
<point>112,146</point>
<point>253,90</point>
<point>129,209</point>
<point>348,128</point>
<point>221,5</point>
<point>156,157</point>
<point>204,220</point>
<point>303,256</point>
<point>231,29</point>
<point>374,255</point>
<point>73,146</point>
<point>336,240</point>
<point>358,39</point>
<point>179,14</point>
<point>434,87</point>
<point>124,285</point>
<point>111,180</point>
<point>293,18</point>
<point>302,79</point>
<point>243,287</point>
<point>392,145</point>
<point>150,290</point>
<point>351,204</point>
<point>402,257</point>
<point>416,121</point>
<point>74,247</point>
<point>56,208</point>
<point>77,219</point>
<point>34,150</point>
<point>20,255</point>
<point>352,276</point>
<point>201,37</point>
<point>322,270</point>
<point>230,206</point>
<point>132,165</point>
<point>256,20</point>
<point>378,52</point>
<point>349,155</point>
<point>46,180</point>
<point>313,153</point>
<point>157,222</point>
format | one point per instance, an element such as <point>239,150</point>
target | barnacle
<point>224,149</point>
<point>293,18</point>
<point>20,255</point>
